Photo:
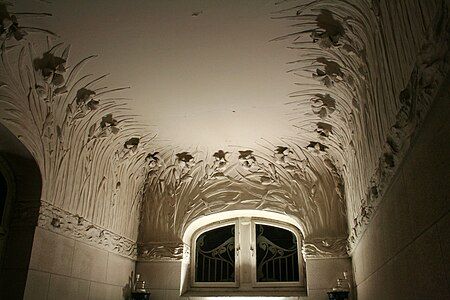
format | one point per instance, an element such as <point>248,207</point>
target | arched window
<point>246,256</point>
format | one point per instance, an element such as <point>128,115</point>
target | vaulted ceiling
<point>303,107</point>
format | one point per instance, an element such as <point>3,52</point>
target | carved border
<point>73,226</point>
<point>325,248</point>
<point>429,72</point>
<point>170,251</point>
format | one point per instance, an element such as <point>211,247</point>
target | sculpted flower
<point>184,156</point>
<point>220,161</point>
<point>132,144</point>
<point>246,158</point>
<point>152,159</point>
<point>283,155</point>
<point>9,26</point>
<point>52,68</point>
<point>185,159</point>
<point>316,148</point>
<point>84,98</point>
<point>330,74</point>
<point>108,125</point>
<point>220,155</point>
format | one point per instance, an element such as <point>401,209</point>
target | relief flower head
<point>220,155</point>
<point>52,68</point>
<point>152,159</point>
<point>220,161</point>
<point>246,158</point>
<point>132,145</point>
<point>283,155</point>
<point>316,148</point>
<point>85,99</point>
<point>109,125</point>
<point>9,25</point>
<point>185,159</point>
<point>10,28</point>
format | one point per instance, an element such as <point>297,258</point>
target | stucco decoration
<point>367,73</point>
<point>325,248</point>
<point>74,226</point>
<point>160,251</point>
<point>286,179</point>
<point>90,150</point>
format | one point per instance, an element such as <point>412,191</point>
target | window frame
<point>196,235</point>
<point>255,287</point>
<point>301,264</point>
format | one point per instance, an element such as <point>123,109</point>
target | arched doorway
<point>20,193</point>
<point>6,195</point>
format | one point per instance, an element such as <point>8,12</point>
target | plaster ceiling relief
<point>287,179</point>
<point>359,66</point>
<point>301,107</point>
<point>88,146</point>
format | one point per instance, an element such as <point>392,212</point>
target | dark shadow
<point>24,191</point>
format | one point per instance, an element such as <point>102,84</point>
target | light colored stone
<point>52,252</point>
<point>89,263</point>
<point>173,295</point>
<point>101,291</point>
<point>62,287</point>
<point>120,270</point>
<point>323,273</point>
<point>37,285</point>
<point>160,275</point>
<point>358,263</point>
<point>429,279</point>
<point>396,218</point>
<point>157,294</point>
<point>426,171</point>
<point>404,271</point>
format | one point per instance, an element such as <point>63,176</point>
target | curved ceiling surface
<point>303,107</point>
<point>201,73</point>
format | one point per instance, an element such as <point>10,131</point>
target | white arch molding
<point>203,223</point>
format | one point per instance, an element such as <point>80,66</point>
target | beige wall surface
<point>163,278</point>
<point>62,268</point>
<point>405,252</point>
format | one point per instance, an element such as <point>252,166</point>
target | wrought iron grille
<point>276,254</point>
<point>215,255</point>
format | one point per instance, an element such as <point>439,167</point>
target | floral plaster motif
<point>369,73</point>
<point>160,251</point>
<point>325,248</point>
<point>285,179</point>
<point>74,226</point>
<point>90,150</point>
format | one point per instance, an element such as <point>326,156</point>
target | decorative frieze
<point>325,248</point>
<point>73,226</point>
<point>161,251</point>
<point>431,67</point>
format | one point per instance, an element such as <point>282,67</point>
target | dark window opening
<point>215,255</point>
<point>276,254</point>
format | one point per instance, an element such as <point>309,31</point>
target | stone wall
<point>163,278</point>
<point>65,268</point>
<point>404,254</point>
